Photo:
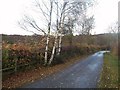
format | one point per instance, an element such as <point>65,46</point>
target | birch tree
<point>48,36</point>
<point>61,25</point>
<point>83,22</point>
<point>67,10</point>
<point>55,41</point>
<point>62,11</point>
<point>28,22</point>
<point>58,34</point>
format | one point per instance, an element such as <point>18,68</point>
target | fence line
<point>15,67</point>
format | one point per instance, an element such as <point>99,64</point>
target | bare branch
<point>25,28</point>
<point>45,6</point>
<point>44,13</point>
<point>39,29</point>
<point>32,23</point>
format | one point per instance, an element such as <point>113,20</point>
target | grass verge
<point>109,75</point>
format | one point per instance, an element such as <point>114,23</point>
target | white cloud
<point>106,13</point>
<point>10,13</point>
<point>12,10</point>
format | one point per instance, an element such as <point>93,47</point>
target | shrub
<point>58,59</point>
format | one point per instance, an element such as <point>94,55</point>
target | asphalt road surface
<point>83,74</point>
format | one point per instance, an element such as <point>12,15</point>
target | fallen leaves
<point>21,78</point>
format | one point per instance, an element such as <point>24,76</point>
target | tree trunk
<point>48,36</point>
<point>60,38</point>
<point>59,45</point>
<point>55,42</point>
<point>46,50</point>
<point>53,50</point>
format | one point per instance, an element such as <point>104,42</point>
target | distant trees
<point>68,29</point>
<point>113,28</point>
<point>61,18</point>
<point>87,25</point>
<point>113,38</point>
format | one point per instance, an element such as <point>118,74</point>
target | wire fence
<point>14,59</point>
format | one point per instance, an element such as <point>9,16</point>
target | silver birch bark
<point>55,42</point>
<point>61,28</point>
<point>59,45</point>
<point>60,37</point>
<point>53,50</point>
<point>48,36</point>
<point>46,50</point>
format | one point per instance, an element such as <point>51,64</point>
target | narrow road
<point>84,74</point>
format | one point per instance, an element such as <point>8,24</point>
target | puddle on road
<point>99,54</point>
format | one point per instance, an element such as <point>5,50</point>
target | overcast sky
<point>11,11</point>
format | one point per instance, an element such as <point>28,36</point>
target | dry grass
<point>109,75</point>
